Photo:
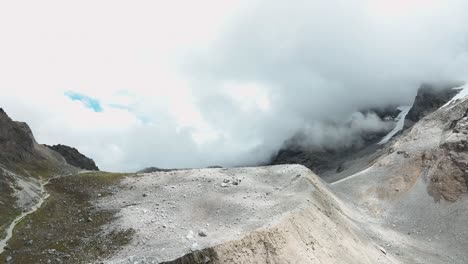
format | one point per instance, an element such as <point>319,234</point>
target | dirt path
<point>9,231</point>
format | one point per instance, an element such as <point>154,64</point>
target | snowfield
<point>463,94</point>
<point>399,125</point>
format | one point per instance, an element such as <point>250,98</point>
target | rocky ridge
<point>419,187</point>
<point>74,157</point>
<point>16,140</point>
<point>278,214</point>
<point>429,98</point>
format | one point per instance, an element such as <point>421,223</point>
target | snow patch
<point>463,94</point>
<point>400,124</point>
<point>353,176</point>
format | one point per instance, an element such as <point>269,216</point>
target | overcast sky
<point>215,82</point>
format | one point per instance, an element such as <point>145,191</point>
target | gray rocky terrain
<point>278,214</point>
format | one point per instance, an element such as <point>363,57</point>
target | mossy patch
<point>68,228</point>
<point>8,210</point>
<point>37,168</point>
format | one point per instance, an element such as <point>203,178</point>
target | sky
<point>180,84</point>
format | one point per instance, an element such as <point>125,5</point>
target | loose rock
<point>202,233</point>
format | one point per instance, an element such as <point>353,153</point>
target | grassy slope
<point>67,227</point>
<point>38,169</point>
<point>8,212</point>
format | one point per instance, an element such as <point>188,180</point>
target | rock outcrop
<point>16,140</point>
<point>20,152</point>
<point>429,98</point>
<point>152,169</point>
<point>74,157</point>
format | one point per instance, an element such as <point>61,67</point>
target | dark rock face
<point>387,112</point>
<point>322,161</point>
<point>74,157</point>
<point>316,160</point>
<point>153,169</point>
<point>16,140</point>
<point>18,146</point>
<point>447,166</point>
<point>429,98</point>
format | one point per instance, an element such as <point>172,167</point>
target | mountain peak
<point>16,139</point>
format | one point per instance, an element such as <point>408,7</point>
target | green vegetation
<point>8,212</point>
<point>68,227</point>
<point>38,169</point>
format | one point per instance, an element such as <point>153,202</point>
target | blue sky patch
<point>87,101</point>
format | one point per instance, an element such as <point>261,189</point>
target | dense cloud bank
<point>314,62</point>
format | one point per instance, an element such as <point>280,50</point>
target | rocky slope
<point>428,99</point>
<point>16,140</point>
<point>24,165</point>
<point>420,187</point>
<point>74,157</point>
<point>279,214</point>
<point>20,152</point>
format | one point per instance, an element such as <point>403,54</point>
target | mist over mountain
<point>226,88</point>
<point>309,66</point>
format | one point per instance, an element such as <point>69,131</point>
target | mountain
<point>329,163</point>
<point>24,165</point>
<point>20,152</point>
<point>399,201</point>
<point>429,98</point>
<point>328,160</point>
<point>420,188</point>
<point>408,204</point>
<point>16,140</point>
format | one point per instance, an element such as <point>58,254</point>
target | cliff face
<point>428,99</point>
<point>74,157</point>
<point>20,151</point>
<point>16,140</point>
